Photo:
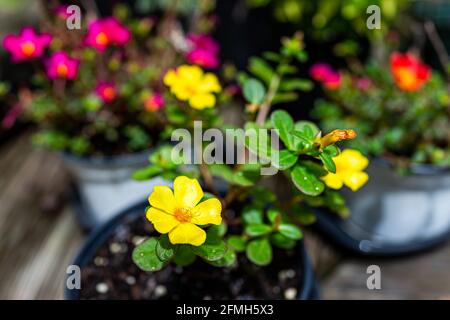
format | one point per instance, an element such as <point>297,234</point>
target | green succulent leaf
<point>237,243</point>
<point>256,230</point>
<point>145,257</point>
<point>283,122</point>
<point>290,231</point>
<point>252,215</point>
<point>254,91</point>
<point>328,162</point>
<point>259,251</point>
<point>164,249</point>
<point>147,173</point>
<point>184,256</point>
<point>213,249</point>
<point>306,181</point>
<point>227,260</point>
<point>285,159</point>
<point>282,242</point>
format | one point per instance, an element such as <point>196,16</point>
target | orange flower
<point>410,74</point>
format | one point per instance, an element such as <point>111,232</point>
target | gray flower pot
<point>394,214</point>
<point>104,187</point>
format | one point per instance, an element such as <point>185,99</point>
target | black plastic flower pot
<point>393,214</point>
<point>108,272</point>
<point>103,186</point>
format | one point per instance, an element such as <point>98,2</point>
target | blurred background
<point>39,223</point>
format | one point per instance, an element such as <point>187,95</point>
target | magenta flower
<point>60,65</point>
<point>324,73</point>
<point>27,45</point>
<point>154,103</point>
<point>61,11</point>
<point>105,32</point>
<point>204,51</point>
<point>106,91</point>
<point>363,83</point>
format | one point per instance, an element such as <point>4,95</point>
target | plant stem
<point>265,106</point>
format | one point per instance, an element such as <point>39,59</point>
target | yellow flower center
<point>62,70</point>
<point>28,48</point>
<point>182,214</point>
<point>101,39</point>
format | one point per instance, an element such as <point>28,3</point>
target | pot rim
<point>308,290</point>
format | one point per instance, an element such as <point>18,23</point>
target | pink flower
<point>154,103</point>
<point>204,51</point>
<point>60,65</point>
<point>61,11</point>
<point>324,73</point>
<point>106,91</point>
<point>105,32</point>
<point>27,45</point>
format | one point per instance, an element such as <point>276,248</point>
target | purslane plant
<point>246,218</point>
<point>400,110</point>
<point>99,90</point>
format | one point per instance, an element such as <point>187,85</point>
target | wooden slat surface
<point>38,241</point>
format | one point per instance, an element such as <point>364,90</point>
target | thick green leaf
<point>252,215</point>
<point>261,69</point>
<point>145,257</point>
<point>226,261</point>
<point>284,97</point>
<point>256,230</point>
<point>308,128</point>
<point>332,150</point>
<point>285,159</point>
<point>237,243</point>
<point>164,249</point>
<point>217,231</point>
<point>296,84</point>
<point>280,241</point>
<point>306,181</point>
<point>184,256</point>
<point>254,91</point>
<point>283,122</point>
<point>290,231</point>
<point>273,215</point>
<point>213,249</point>
<point>259,251</point>
<point>328,162</point>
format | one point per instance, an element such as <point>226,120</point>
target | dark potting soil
<point>113,275</point>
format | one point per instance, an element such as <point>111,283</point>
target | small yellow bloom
<point>349,171</point>
<point>178,213</point>
<point>189,83</point>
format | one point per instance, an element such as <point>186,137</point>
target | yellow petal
<point>162,198</point>
<point>170,77</point>
<point>190,74</point>
<point>187,192</point>
<point>351,160</point>
<point>207,212</point>
<point>356,180</point>
<point>162,221</point>
<point>209,83</point>
<point>202,101</point>
<point>187,233</point>
<point>333,181</point>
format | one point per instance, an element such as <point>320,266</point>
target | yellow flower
<point>178,213</point>
<point>349,171</point>
<point>189,83</point>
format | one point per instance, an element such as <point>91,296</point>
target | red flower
<point>410,74</point>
